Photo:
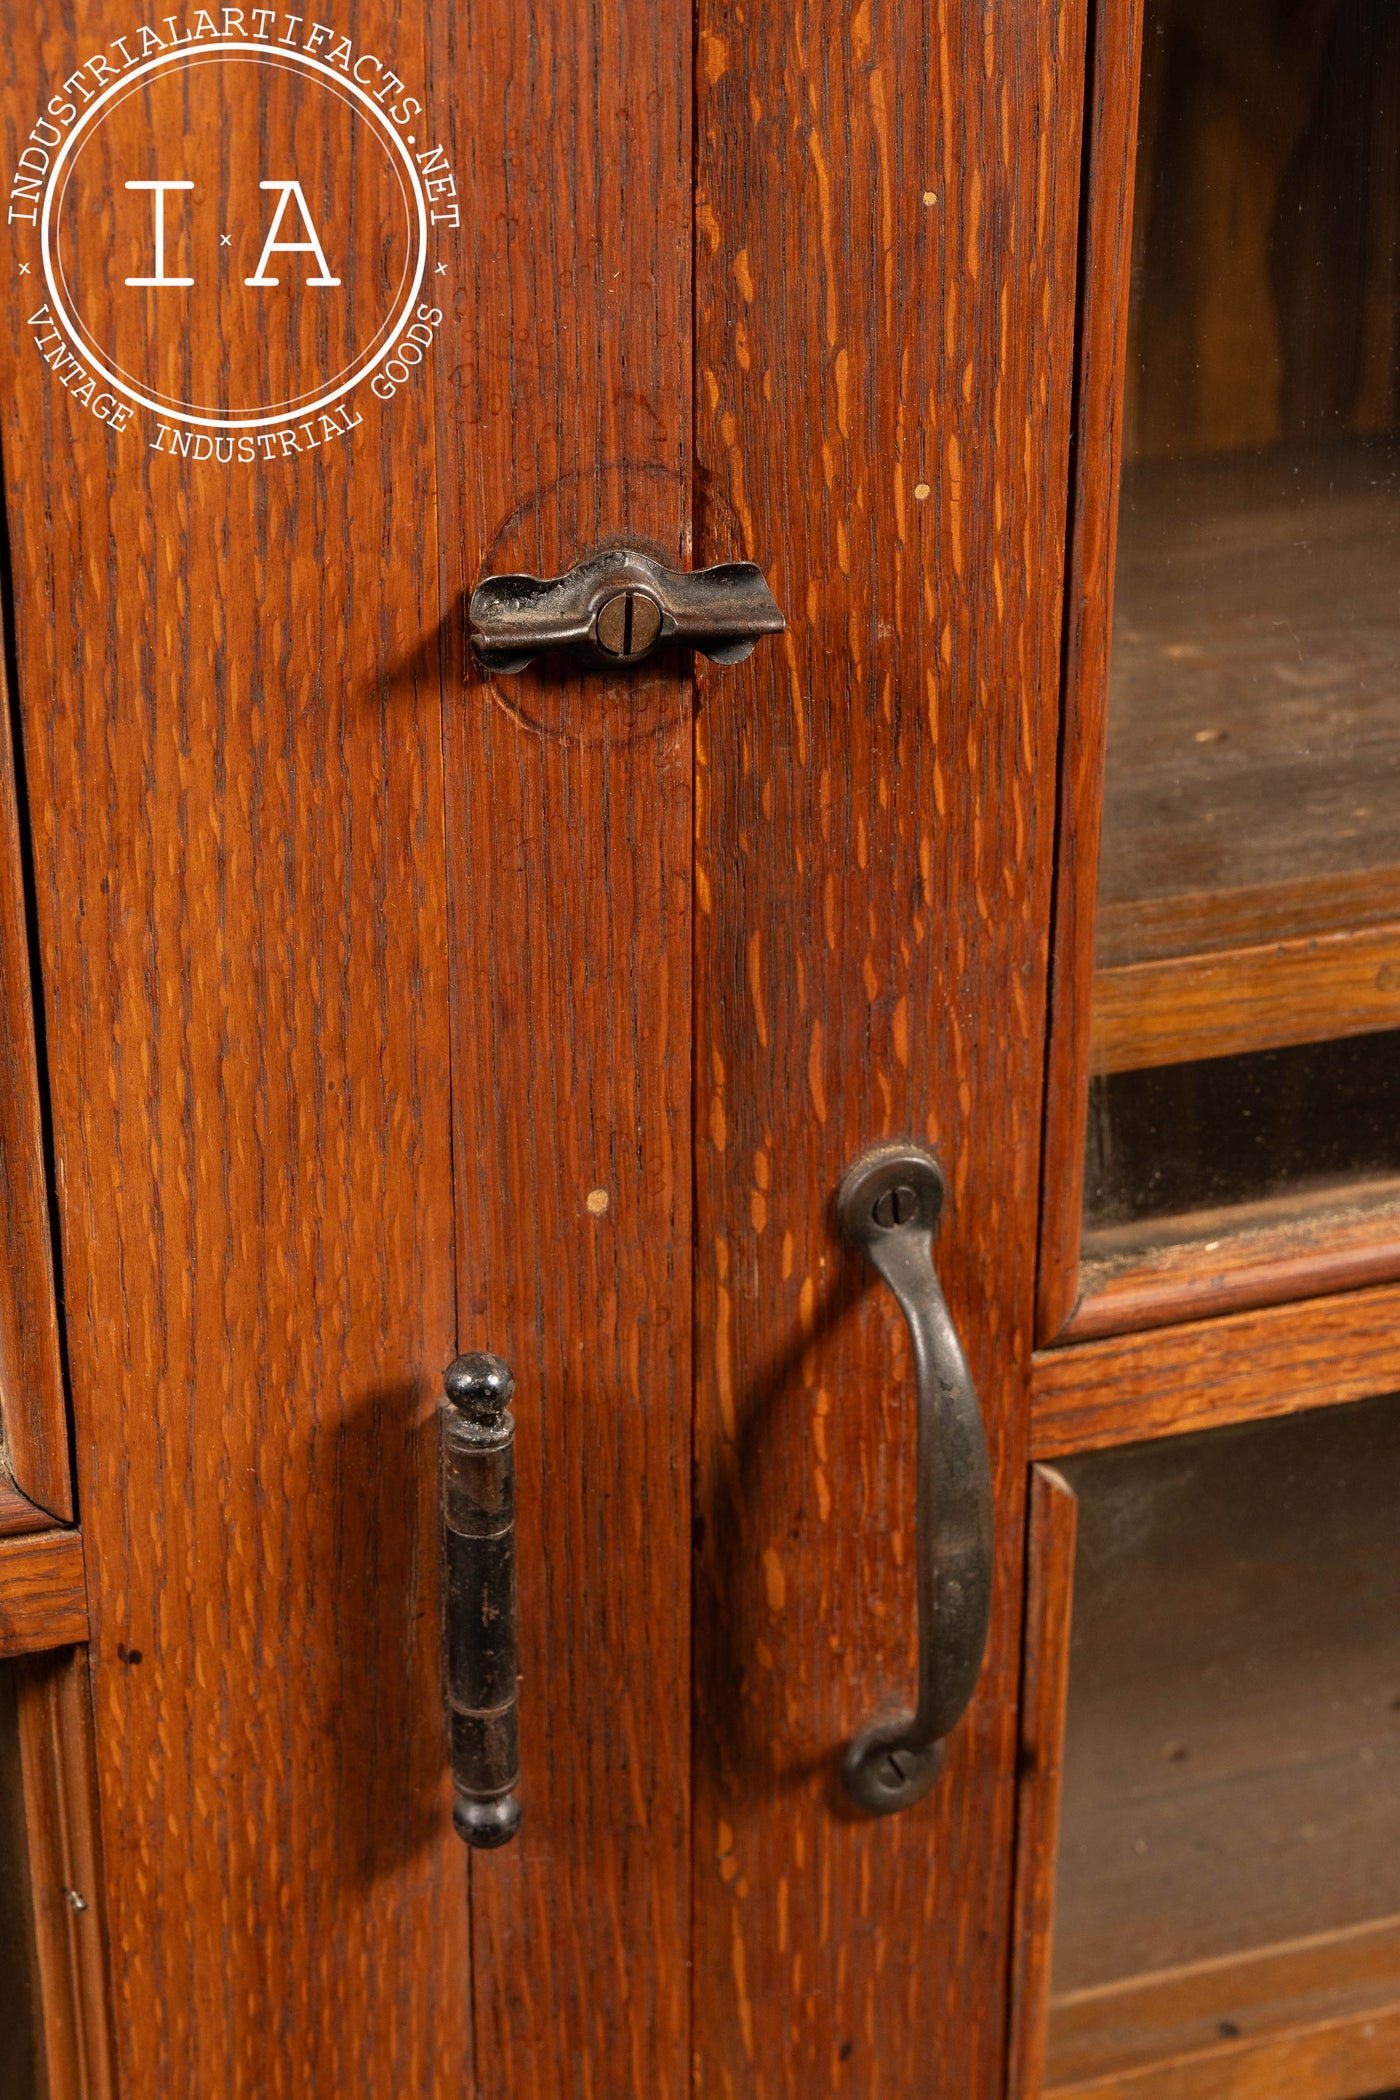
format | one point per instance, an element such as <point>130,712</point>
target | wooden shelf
<point>1250,876</point>
<point>1318,2019</point>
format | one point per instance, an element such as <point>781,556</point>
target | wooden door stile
<point>886,224</point>
<point>569,850</point>
<point>233,752</point>
<point>1050,1536</point>
<point>1115,45</point>
<point>59,1780</point>
<point>33,1409</point>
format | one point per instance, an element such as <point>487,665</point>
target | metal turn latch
<point>618,606</point>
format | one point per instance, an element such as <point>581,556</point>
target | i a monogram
<point>290,191</point>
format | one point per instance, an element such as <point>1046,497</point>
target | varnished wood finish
<point>33,1422</point>
<point>1044,1687</point>
<point>1318,2019</point>
<point>569,847</point>
<point>1198,1264</point>
<point>1309,990</point>
<point>1317,1353</point>
<point>17,1512</point>
<point>43,1601</point>
<point>886,218</point>
<point>1111,127</point>
<point>61,1826</point>
<point>233,758</point>
<point>1199,922</point>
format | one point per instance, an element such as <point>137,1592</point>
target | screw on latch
<point>627,625</point>
<point>896,1206</point>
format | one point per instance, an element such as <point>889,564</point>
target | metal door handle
<point>889,1207</point>
<point>477,1472</point>
<point>617,606</point>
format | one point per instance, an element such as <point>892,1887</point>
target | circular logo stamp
<point>235,221</point>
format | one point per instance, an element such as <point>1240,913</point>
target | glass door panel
<point>1246,1028</point>
<point>1229,1843</point>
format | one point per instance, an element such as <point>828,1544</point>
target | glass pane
<point>1249,905</point>
<point>20,2074</point>
<point>1229,1857</point>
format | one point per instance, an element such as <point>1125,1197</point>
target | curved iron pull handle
<point>617,606</point>
<point>477,1472</point>
<point>889,1207</point>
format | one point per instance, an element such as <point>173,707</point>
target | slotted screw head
<point>896,1206</point>
<point>627,624</point>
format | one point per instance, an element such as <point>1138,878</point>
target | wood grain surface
<point>1310,990</point>
<point>58,1764</point>
<point>33,1418</point>
<point>1111,137</point>
<point>234,765</point>
<point>1315,1353</point>
<point>1050,1535</point>
<point>1317,2019</point>
<point>43,1603</point>
<point>886,218</point>
<point>569,845</point>
<point>1199,922</point>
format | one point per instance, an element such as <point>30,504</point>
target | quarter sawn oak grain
<point>234,774</point>
<point>569,848</point>
<point>886,213</point>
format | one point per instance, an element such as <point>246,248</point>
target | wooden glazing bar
<point>1199,1264</point>
<point>43,1598</point>
<point>1247,1366</point>
<point>1111,139</point>
<point>1310,990</point>
<point>33,1415</point>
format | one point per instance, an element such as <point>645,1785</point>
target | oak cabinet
<point>366,1001</point>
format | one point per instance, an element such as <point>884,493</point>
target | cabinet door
<point>1209,1795</point>
<point>394,1005</point>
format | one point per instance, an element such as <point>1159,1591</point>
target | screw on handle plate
<point>889,1206</point>
<point>477,1472</point>
<point>619,605</point>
